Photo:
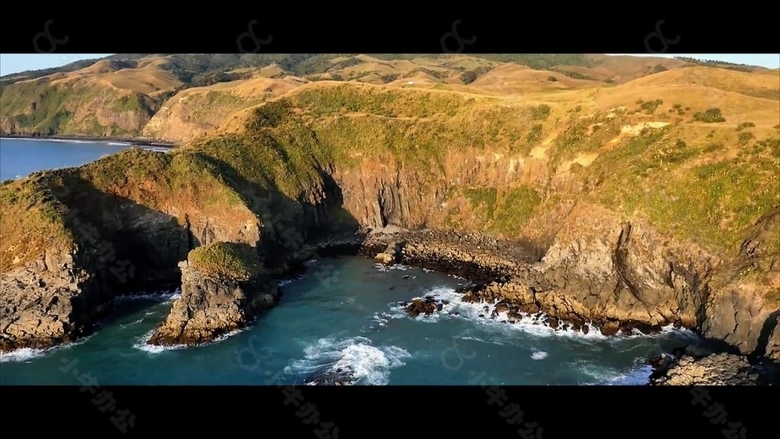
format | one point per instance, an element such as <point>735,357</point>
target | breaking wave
<point>356,356</point>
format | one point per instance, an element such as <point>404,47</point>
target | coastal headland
<point>607,194</point>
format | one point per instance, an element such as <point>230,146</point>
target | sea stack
<point>223,288</point>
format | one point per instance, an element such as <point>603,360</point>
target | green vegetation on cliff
<point>32,222</point>
<point>684,188</point>
<point>40,107</point>
<point>226,260</point>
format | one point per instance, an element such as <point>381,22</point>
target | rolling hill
<point>180,97</point>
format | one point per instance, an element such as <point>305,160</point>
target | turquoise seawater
<point>345,313</point>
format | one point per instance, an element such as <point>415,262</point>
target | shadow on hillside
<point>291,222</point>
<point>770,324</point>
<point>131,247</point>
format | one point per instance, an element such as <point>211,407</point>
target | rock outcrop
<point>773,344</point>
<point>212,303</point>
<point>716,369</point>
<point>425,306</point>
<point>713,370</point>
<point>389,256</point>
<point>48,302</point>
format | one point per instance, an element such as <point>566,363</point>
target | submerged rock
<point>216,299</point>
<point>331,377</point>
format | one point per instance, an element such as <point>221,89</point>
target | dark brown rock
<point>421,306</point>
<point>609,328</point>
<point>210,307</point>
<point>50,301</point>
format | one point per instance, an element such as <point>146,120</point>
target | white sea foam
<point>166,297</point>
<point>539,355</point>
<point>153,349</point>
<point>370,365</point>
<point>28,354</point>
<point>283,282</point>
<point>454,307</point>
<point>141,342</point>
<point>636,377</point>
<point>132,323</point>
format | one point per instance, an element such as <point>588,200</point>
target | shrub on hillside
<point>712,115</point>
<point>540,112</point>
<point>535,134</point>
<point>649,107</point>
<point>468,77</point>
<point>744,125</point>
<point>745,137</point>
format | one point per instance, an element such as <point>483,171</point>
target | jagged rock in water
<point>425,306</point>
<point>332,377</point>
<point>213,305</point>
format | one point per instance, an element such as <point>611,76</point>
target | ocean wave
<point>283,282</point>
<point>367,364</point>
<point>124,325</point>
<point>141,342</point>
<point>639,376</point>
<point>27,354</point>
<point>165,297</point>
<point>483,314</point>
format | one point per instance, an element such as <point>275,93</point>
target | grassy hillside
<point>180,97</point>
<point>652,157</point>
<point>106,98</point>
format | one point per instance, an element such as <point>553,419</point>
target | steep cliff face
<point>49,291</point>
<point>51,300</point>
<point>74,238</point>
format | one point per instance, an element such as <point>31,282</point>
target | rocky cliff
<point>223,287</point>
<point>615,216</point>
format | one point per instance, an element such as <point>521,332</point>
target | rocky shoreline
<point>504,276</point>
<point>502,273</point>
<point>694,366</point>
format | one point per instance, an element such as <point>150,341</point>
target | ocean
<point>19,157</point>
<point>343,313</point>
